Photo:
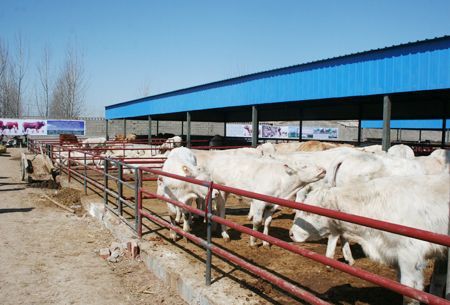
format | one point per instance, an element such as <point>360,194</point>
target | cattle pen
<point>129,191</point>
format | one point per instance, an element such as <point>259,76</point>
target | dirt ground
<point>331,285</point>
<point>50,256</point>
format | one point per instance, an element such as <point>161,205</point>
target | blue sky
<point>167,45</point>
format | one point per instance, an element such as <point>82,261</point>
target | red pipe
<point>292,289</point>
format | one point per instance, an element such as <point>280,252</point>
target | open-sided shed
<point>408,81</point>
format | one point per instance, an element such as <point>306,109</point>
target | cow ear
<point>186,170</point>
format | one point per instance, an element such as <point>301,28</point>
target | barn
<point>407,81</point>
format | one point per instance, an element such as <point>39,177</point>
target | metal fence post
<point>85,175</point>
<point>136,199</point>
<point>139,204</point>
<point>68,166</point>
<point>105,181</point>
<point>208,234</point>
<point>119,186</point>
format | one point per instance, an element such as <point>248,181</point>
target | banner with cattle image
<point>35,127</point>
<point>273,131</point>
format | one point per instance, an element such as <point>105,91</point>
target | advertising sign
<point>56,127</point>
<point>16,127</point>
<point>19,127</point>
<point>267,131</point>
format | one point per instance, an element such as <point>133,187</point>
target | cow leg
<point>411,275</point>
<point>267,218</point>
<point>173,210</point>
<point>256,210</point>
<point>346,251</point>
<point>438,277</point>
<point>331,246</point>
<point>221,210</point>
<point>178,215</point>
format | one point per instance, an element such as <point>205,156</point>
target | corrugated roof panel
<point>411,67</point>
<point>406,124</point>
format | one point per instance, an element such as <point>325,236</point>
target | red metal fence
<point>77,167</point>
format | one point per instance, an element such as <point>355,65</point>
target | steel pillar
<point>444,129</point>
<point>386,141</point>
<point>188,132</point>
<point>106,130</point>
<point>125,127</point>
<point>255,125</point>
<point>149,130</point>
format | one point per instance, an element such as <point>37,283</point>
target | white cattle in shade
<point>260,175</point>
<point>171,143</point>
<point>437,162</point>
<point>375,149</point>
<point>401,151</point>
<point>420,201</point>
<point>182,162</point>
<point>308,146</point>
<point>93,142</point>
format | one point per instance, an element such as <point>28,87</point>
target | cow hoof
<point>266,244</point>
<point>225,237</point>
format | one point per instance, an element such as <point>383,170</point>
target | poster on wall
<point>56,127</point>
<point>18,127</point>
<point>267,131</point>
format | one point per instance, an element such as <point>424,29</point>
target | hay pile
<point>2,149</point>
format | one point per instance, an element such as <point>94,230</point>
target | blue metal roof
<point>416,66</point>
<point>406,124</point>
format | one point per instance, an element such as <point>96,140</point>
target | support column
<point>157,128</point>
<point>300,125</point>
<point>444,129</point>
<point>224,129</point>
<point>188,134</point>
<point>255,126</point>
<point>182,128</point>
<point>359,131</point>
<point>125,127</point>
<point>420,135</point>
<point>386,142</point>
<point>149,130</point>
<point>106,130</point>
<point>359,124</point>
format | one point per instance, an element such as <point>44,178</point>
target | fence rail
<point>130,210</point>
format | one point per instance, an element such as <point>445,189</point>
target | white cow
<point>356,167</point>
<point>94,142</point>
<point>417,201</point>
<point>170,143</point>
<point>437,162</point>
<point>401,151</point>
<point>260,175</point>
<point>182,162</point>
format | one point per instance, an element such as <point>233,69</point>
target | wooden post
<point>255,126</point>
<point>386,142</point>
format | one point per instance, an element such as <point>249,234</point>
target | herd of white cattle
<point>396,187</point>
<point>129,151</point>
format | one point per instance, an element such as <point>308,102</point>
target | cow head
<point>309,226</point>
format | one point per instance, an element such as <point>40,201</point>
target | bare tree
<point>68,95</point>
<point>18,68</point>
<point>43,99</point>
